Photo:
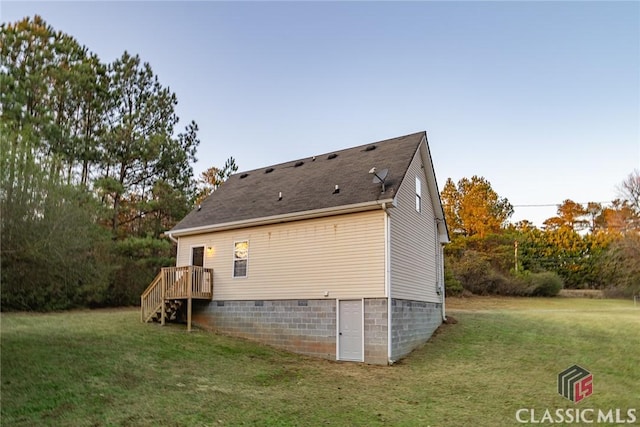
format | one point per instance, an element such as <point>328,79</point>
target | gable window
<point>418,194</point>
<point>240,258</point>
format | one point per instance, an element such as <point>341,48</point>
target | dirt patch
<point>581,293</point>
<point>450,320</point>
<point>446,324</point>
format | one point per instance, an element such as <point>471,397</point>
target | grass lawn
<point>104,367</point>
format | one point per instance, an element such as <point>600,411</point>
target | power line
<point>551,205</point>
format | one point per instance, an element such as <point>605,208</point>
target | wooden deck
<point>176,283</point>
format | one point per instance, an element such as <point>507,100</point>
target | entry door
<point>350,330</point>
<point>197,256</point>
<point>197,259</point>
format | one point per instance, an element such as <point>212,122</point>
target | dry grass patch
<point>105,368</point>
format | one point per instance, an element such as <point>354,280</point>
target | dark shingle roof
<point>308,184</point>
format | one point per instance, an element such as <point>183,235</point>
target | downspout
<point>387,277</point>
<point>440,268</point>
<point>443,287</point>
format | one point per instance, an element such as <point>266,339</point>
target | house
<point>337,255</point>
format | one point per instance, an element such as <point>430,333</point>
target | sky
<point>540,98</point>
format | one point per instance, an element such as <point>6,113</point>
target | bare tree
<point>629,189</point>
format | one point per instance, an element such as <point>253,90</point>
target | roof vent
<point>332,156</point>
<point>269,170</point>
<point>336,189</point>
<point>298,164</point>
<point>244,175</point>
<point>370,148</point>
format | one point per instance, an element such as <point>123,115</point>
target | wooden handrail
<point>151,299</point>
<point>153,284</point>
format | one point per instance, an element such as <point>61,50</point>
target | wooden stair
<point>173,286</point>
<point>172,311</point>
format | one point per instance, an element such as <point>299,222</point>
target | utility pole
<point>515,252</point>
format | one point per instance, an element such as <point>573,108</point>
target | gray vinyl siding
<point>413,243</point>
<point>342,255</point>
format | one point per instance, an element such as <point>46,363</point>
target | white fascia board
<point>274,219</point>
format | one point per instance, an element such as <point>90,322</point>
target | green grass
<point>103,368</point>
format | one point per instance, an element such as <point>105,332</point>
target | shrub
<point>618,292</point>
<point>515,286</point>
<point>472,270</point>
<point>52,254</point>
<point>452,285</point>
<point>475,271</point>
<point>545,284</point>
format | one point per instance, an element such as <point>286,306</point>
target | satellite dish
<point>379,177</point>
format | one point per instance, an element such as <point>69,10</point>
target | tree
<point>620,217</point>
<point>570,215</point>
<point>213,177</point>
<point>84,148</point>
<point>30,51</point>
<point>51,246</point>
<point>140,146</point>
<point>474,208</point>
<point>54,102</point>
<point>450,198</point>
<point>565,252</point>
<point>92,91</point>
<point>621,264</point>
<point>524,226</point>
<point>593,211</point>
<point>629,190</point>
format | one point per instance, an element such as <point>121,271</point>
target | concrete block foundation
<point>309,326</point>
<point>413,323</point>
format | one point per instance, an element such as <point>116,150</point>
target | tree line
<point>588,246</point>
<point>94,166</point>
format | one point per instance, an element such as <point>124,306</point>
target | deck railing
<point>176,283</point>
<point>185,282</point>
